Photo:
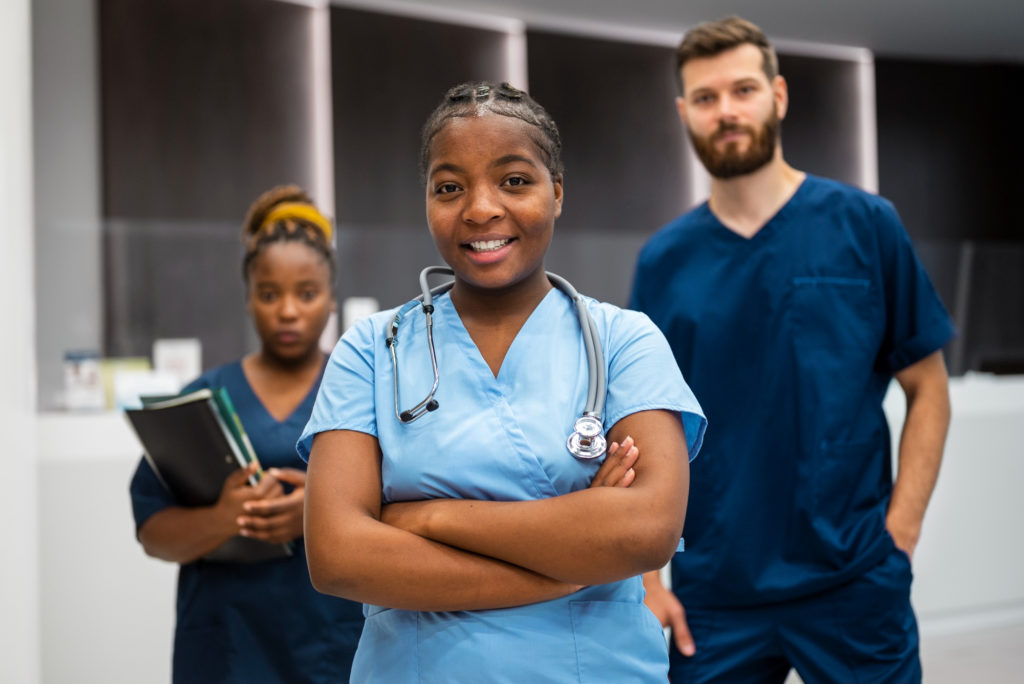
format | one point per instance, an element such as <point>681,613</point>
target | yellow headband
<point>298,210</point>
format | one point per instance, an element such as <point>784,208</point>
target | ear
<point>681,108</point>
<point>559,191</point>
<point>780,93</point>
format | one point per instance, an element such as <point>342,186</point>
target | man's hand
<point>905,535</point>
<point>276,518</point>
<point>669,611</point>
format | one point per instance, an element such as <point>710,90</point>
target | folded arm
<point>592,536</point>
<point>352,554</point>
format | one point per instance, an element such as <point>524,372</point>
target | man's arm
<point>926,386</point>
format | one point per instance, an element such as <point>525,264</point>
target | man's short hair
<point>715,37</point>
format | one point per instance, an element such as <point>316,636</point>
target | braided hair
<point>477,98</point>
<point>285,213</point>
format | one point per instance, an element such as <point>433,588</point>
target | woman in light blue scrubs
<point>483,549</point>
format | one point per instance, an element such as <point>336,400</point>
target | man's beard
<point>730,163</point>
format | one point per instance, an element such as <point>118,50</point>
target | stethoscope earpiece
<point>587,439</point>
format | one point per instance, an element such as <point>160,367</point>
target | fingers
<point>269,519</point>
<point>275,505</point>
<point>617,469</point>
<point>681,633</point>
<point>275,529</point>
<point>292,476</point>
<point>240,477</point>
<point>268,486</point>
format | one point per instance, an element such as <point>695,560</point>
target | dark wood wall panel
<point>204,104</point>
<point>614,103</point>
<point>949,154</point>
<point>950,160</point>
<point>822,132</point>
<point>388,73</point>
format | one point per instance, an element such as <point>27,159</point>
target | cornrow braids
<point>476,98</point>
<point>305,225</point>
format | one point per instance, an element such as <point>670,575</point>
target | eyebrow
<point>743,80</point>
<point>500,161</point>
<point>446,167</point>
<point>512,158</point>
<point>274,285</point>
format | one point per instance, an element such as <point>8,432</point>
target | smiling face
<point>290,299</point>
<point>491,202</point>
<point>732,111</point>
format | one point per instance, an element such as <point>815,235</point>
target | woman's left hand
<point>617,469</point>
<point>276,519</point>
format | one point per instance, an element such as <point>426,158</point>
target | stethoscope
<point>587,439</point>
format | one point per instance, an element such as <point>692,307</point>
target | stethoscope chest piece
<point>587,439</point>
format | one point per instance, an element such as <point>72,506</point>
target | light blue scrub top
<point>503,439</point>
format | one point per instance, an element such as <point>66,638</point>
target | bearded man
<point>791,302</point>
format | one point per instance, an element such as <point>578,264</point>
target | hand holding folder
<point>193,442</point>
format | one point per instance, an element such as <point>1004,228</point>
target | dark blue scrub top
<point>789,340</point>
<point>261,622</point>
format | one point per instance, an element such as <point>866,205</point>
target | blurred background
<point>135,135</point>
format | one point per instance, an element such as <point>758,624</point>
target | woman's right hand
<point>617,469</point>
<point>236,491</point>
<point>184,534</point>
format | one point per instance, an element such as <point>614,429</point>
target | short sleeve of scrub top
<point>916,322</point>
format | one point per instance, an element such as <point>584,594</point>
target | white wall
<point>19,587</point>
<point>968,563</point>
<point>65,98</point>
<point>107,610</point>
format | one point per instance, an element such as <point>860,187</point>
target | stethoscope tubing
<point>587,444</point>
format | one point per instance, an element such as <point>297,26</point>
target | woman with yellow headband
<point>260,622</point>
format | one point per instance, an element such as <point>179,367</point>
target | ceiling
<point>970,30</point>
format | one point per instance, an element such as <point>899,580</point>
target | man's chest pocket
<point>836,318</point>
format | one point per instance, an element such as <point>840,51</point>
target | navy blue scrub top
<point>261,622</point>
<point>789,340</point>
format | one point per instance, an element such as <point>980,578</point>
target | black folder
<point>191,449</point>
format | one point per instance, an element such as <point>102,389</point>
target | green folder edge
<point>222,400</point>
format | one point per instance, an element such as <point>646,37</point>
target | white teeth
<point>487,245</point>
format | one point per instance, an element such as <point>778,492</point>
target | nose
<point>726,108</point>
<point>289,308</point>
<point>482,205</point>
